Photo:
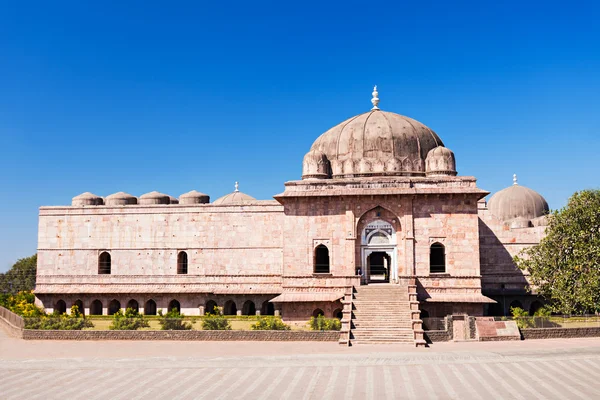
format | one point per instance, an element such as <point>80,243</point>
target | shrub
<point>131,320</point>
<point>270,324</point>
<point>22,303</point>
<point>522,318</point>
<point>215,321</point>
<point>321,323</point>
<point>75,321</point>
<point>173,321</point>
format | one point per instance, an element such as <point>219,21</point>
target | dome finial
<point>375,99</point>
<point>237,187</point>
<point>515,179</point>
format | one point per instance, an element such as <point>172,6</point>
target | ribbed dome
<point>372,144</point>
<point>87,199</point>
<point>194,197</point>
<point>518,203</point>
<point>234,198</point>
<point>154,198</point>
<point>440,161</point>
<point>120,199</point>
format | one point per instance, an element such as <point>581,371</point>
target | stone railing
<point>11,322</point>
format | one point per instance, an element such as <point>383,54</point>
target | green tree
<point>565,266</point>
<point>173,321</point>
<point>20,277</point>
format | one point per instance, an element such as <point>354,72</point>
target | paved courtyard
<point>550,369</point>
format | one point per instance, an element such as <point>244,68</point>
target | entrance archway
<point>378,253</point>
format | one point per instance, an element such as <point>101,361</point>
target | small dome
<point>517,201</point>
<point>120,199</point>
<point>315,165</point>
<point>235,198</point>
<point>173,200</point>
<point>194,197</point>
<point>87,199</point>
<point>154,198</point>
<point>440,161</point>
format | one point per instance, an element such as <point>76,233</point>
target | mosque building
<point>379,224</point>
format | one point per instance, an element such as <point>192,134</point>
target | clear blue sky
<point>174,96</point>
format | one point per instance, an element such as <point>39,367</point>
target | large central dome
<point>378,143</point>
<point>375,143</point>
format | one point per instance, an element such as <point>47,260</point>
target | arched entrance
<point>378,253</point>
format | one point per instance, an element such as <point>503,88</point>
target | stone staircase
<point>383,313</point>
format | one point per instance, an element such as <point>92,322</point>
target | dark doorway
<point>174,305</point>
<point>133,304</point>
<point>230,308</point>
<point>60,307</point>
<point>150,307</point>
<point>249,308</point>
<point>210,307</point>
<point>96,307</point>
<point>268,308</point>
<point>113,307</point>
<point>79,305</point>
<point>379,264</point>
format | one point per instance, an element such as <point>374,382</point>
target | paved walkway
<point>550,369</point>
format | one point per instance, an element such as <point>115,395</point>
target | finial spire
<point>375,99</point>
<point>237,187</point>
<point>515,179</point>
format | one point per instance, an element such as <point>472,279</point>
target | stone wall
<point>9,327</point>
<point>558,333</point>
<point>275,336</point>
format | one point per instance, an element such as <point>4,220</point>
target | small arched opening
<point>321,259</point>
<point>318,312</point>
<point>514,304</point>
<point>437,258</point>
<point>267,308</point>
<point>230,308</point>
<point>60,307</point>
<point>535,306</point>
<point>182,263</point>
<point>79,305</point>
<point>113,307</point>
<point>337,313</point>
<point>210,307</point>
<point>96,307</point>
<point>249,308</point>
<point>104,263</point>
<point>133,304</point>
<point>150,307</point>
<point>174,305</point>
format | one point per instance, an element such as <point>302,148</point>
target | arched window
<point>182,263</point>
<point>338,313</point>
<point>133,304</point>
<point>174,304</point>
<point>150,307</point>
<point>113,307</point>
<point>536,305</point>
<point>318,312</point>
<point>267,308</point>
<point>79,305</point>
<point>104,263</point>
<point>321,259</point>
<point>437,258</point>
<point>60,307</point>
<point>249,308</point>
<point>210,307</point>
<point>230,308</point>
<point>96,307</point>
<point>515,304</point>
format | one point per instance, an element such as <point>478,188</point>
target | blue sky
<point>107,96</point>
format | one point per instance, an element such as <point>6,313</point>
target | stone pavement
<point>550,369</point>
